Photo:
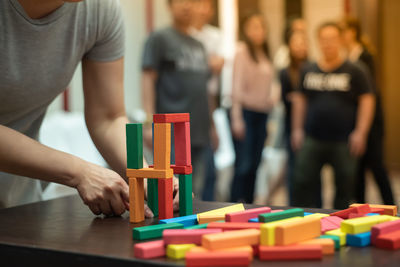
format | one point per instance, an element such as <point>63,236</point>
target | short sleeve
<point>361,82</point>
<point>110,37</point>
<point>152,53</point>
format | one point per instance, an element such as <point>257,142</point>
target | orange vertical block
<point>136,200</point>
<point>231,239</point>
<point>297,231</point>
<point>162,146</point>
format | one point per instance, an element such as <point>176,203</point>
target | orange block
<point>388,209</point>
<point>248,249</point>
<point>230,239</point>
<point>328,245</point>
<point>297,231</point>
<point>136,200</point>
<point>210,218</point>
<point>149,173</point>
<point>162,146</point>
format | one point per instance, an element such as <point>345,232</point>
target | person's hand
<point>148,136</point>
<point>216,63</point>
<point>297,139</point>
<point>175,185</point>
<point>214,138</point>
<point>238,129</point>
<point>357,143</point>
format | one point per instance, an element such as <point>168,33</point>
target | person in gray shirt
<point>41,44</point>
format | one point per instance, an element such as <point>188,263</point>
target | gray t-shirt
<point>38,58</point>
<point>183,73</point>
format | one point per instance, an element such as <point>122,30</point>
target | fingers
<point>95,208</point>
<point>105,208</point>
<point>147,212</point>
<point>125,196</point>
<point>176,202</point>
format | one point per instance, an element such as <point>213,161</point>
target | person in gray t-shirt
<point>40,46</point>
<point>175,76</point>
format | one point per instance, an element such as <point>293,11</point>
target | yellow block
<point>338,232</point>
<point>390,218</point>
<point>248,249</point>
<point>317,215</point>
<point>328,245</point>
<point>223,211</point>
<point>210,218</point>
<point>267,237</point>
<point>362,224</point>
<point>178,252</point>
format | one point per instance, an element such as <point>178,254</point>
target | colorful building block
<point>372,214</point>
<point>244,216</point>
<point>152,195</point>
<point>182,144</point>
<point>344,214</point>
<point>231,239</point>
<point>188,220</point>
<point>318,215</point>
<point>208,218</point>
<point>217,258</point>
<point>162,146</point>
<point>150,173</point>
<point>179,169</point>
<point>134,145</point>
<point>185,194</point>
<point>361,225</point>
<point>150,250</point>
<point>334,238</point>
<point>328,245</point>
<point>171,118</point>
<point>248,249</point>
<point>307,213</point>
<point>389,241</point>
<point>229,226</point>
<point>383,229</point>
<point>388,209</point>
<point>356,215</point>
<point>378,210</point>
<point>254,220</point>
<point>185,236</point>
<point>178,251</point>
<point>276,216</point>
<point>338,233</point>
<point>223,211</point>
<point>136,200</point>
<point>292,252</point>
<point>165,199</point>
<point>297,231</point>
<point>153,231</point>
<point>359,240</point>
<point>267,237</point>
<point>198,226</point>
<point>330,223</point>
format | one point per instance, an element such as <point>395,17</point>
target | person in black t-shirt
<point>332,115</point>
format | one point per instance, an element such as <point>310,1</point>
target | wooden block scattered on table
<point>185,194</point>
<point>297,231</point>
<point>217,258</point>
<point>178,251</point>
<point>153,231</point>
<point>230,226</point>
<point>231,239</point>
<point>245,215</point>
<point>149,250</point>
<point>188,220</point>
<point>248,249</point>
<point>185,236</point>
<point>292,252</point>
<point>182,169</point>
<point>378,210</point>
<point>267,230</point>
<point>162,146</point>
<point>389,241</point>
<point>330,223</point>
<point>338,233</point>
<point>383,229</point>
<point>171,118</point>
<point>334,238</point>
<point>198,226</point>
<point>182,144</point>
<point>207,218</point>
<point>388,209</point>
<point>224,210</point>
<point>149,173</point>
<point>356,215</point>
<point>361,225</point>
<point>152,195</point>
<point>328,245</point>
<point>165,199</point>
<point>136,200</point>
<point>344,214</point>
<point>134,145</point>
<point>359,240</point>
<point>275,216</point>
<point>318,215</point>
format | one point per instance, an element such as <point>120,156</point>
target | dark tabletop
<point>63,232</point>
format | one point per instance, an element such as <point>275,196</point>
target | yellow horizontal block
<point>149,173</point>
<point>361,224</point>
<point>178,252</point>
<point>267,237</point>
<point>223,211</point>
<point>248,249</point>
<point>328,245</point>
<point>340,234</point>
<point>390,218</point>
<point>210,218</point>
<point>317,215</point>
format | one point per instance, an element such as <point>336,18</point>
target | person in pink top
<point>253,96</point>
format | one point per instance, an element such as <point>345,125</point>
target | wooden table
<point>63,232</point>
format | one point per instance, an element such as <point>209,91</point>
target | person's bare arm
<point>365,114</point>
<point>299,107</point>
<point>149,78</point>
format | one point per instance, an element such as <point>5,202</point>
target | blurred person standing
<point>357,51</point>
<point>253,96</point>
<point>332,115</point>
<point>175,74</point>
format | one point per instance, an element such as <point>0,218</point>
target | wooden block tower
<point>159,176</point>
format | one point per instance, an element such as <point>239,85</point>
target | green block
<point>270,217</point>
<point>335,239</point>
<point>153,231</point>
<point>198,226</point>
<point>185,195</point>
<point>152,195</point>
<point>134,145</point>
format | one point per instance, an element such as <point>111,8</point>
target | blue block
<point>359,240</point>
<point>372,214</point>
<point>254,220</point>
<point>307,213</point>
<point>188,220</point>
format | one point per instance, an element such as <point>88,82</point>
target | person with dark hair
<point>358,51</point>
<point>332,114</point>
<point>290,79</point>
<point>253,96</point>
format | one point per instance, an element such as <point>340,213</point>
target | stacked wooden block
<point>159,176</point>
<point>230,237</point>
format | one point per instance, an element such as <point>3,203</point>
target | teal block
<point>185,195</point>
<point>188,220</point>
<point>134,145</point>
<point>152,195</point>
<point>153,231</point>
<point>270,217</point>
<point>335,239</point>
<point>358,240</point>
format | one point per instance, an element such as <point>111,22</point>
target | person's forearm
<point>21,155</point>
<point>298,111</point>
<point>148,91</point>
<point>365,113</point>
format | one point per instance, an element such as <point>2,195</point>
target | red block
<point>179,169</point>
<point>389,241</point>
<point>256,250</point>
<point>378,210</point>
<point>383,229</point>
<point>165,197</point>
<point>231,226</point>
<point>182,144</point>
<point>149,250</point>
<point>292,252</point>
<point>356,215</point>
<point>171,118</point>
<point>246,215</point>
<point>217,258</point>
<point>186,236</point>
<point>330,223</point>
<point>364,209</point>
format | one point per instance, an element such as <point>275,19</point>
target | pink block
<point>330,223</point>
<point>384,228</point>
<point>246,215</point>
<point>186,236</point>
<point>232,226</point>
<point>149,250</point>
<point>272,211</point>
<point>182,144</point>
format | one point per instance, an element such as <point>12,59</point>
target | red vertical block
<point>165,197</point>
<point>182,144</point>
